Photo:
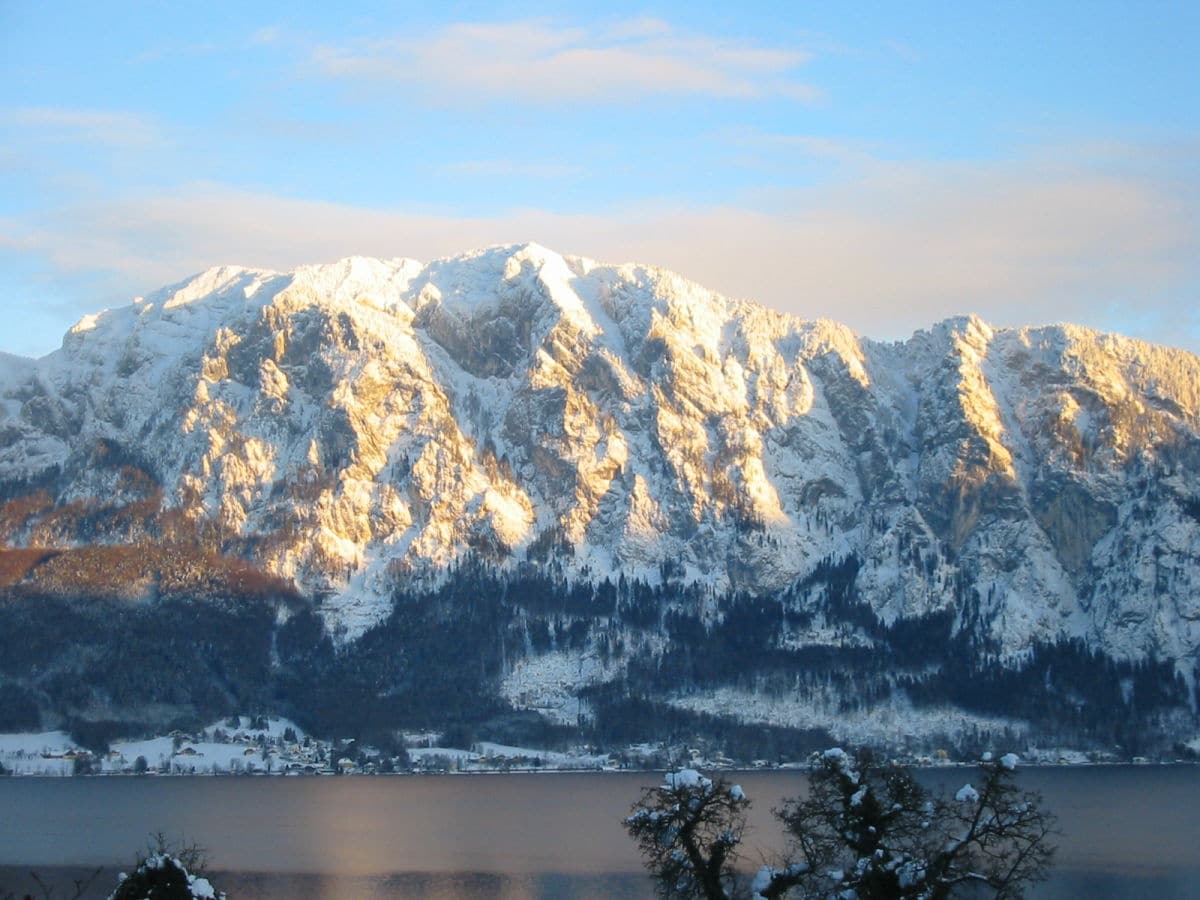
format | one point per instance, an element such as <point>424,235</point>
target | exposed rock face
<point>351,424</point>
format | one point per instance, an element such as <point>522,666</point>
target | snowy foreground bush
<point>164,877</point>
<point>163,872</point>
<point>161,876</point>
<point>866,831</point>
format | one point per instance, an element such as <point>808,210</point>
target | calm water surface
<point>1128,831</point>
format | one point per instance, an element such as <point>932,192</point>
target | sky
<point>882,164</point>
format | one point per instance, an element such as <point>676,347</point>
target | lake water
<point>1127,831</point>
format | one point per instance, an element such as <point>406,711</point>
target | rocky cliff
<point>357,428</point>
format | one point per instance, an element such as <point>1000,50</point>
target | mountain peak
<point>368,419</point>
<point>367,425</point>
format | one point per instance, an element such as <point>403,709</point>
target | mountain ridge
<point>360,426</point>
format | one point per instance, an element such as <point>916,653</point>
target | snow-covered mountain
<point>362,425</point>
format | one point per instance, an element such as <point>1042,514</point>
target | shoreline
<point>800,769</point>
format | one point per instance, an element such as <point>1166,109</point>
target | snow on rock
<point>549,683</point>
<point>372,421</point>
<point>967,794</point>
<point>1009,761</point>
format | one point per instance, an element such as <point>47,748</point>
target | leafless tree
<point>51,892</point>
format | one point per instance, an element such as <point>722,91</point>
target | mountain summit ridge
<point>368,422</point>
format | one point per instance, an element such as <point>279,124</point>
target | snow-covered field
<point>243,749</point>
<point>281,746</point>
<point>41,753</point>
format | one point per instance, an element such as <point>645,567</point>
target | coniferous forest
<point>104,666</point>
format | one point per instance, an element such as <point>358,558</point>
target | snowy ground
<point>488,757</point>
<point>54,753</point>
<point>549,683</point>
<point>897,721</point>
<point>550,759</point>
<point>262,750</point>
<point>37,754</point>
<point>192,757</point>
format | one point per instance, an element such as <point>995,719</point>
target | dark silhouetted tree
<point>865,830</point>
<point>688,829</point>
<point>871,829</point>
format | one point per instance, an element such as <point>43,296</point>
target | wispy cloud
<point>233,45</point>
<point>905,245</point>
<point>91,126</point>
<point>902,51</point>
<point>544,62</point>
<point>764,143</point>
<point>268,34</point>
<point>505,168</point>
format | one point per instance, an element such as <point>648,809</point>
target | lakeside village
<point>245,745</point>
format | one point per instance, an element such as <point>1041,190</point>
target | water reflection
<point>1128,832</point>
<point>439,886</point>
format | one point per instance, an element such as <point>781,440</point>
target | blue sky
<point>884,164</point>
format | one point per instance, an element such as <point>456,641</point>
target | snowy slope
<point>352,424</point>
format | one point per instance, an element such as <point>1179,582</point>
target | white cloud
<point>91,126</point>
<point>902,246</point>
<point>544,62</point>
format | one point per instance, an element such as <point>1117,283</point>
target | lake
<point>1129,831</point>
